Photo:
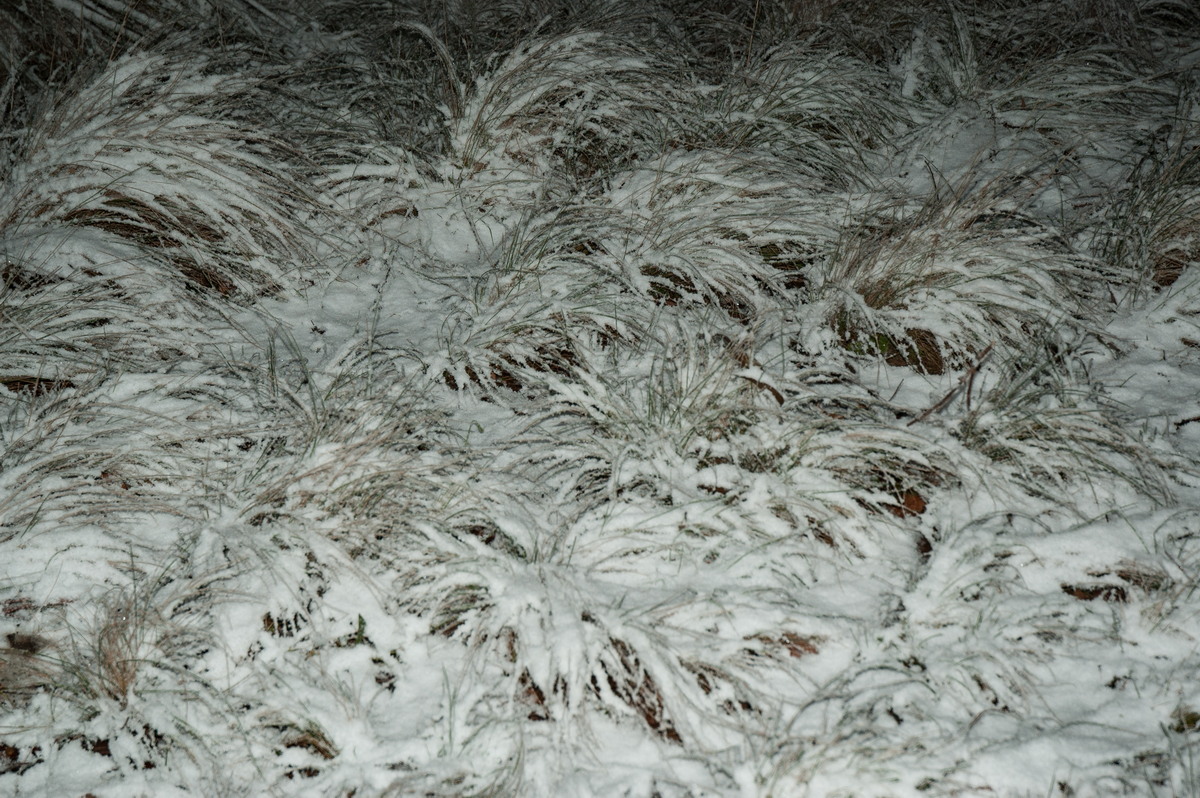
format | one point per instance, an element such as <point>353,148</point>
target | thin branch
<point>967,380</point>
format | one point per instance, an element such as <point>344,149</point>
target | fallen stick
<point>967,379</point>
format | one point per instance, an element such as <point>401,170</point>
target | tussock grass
<point>1153,228</point>
<point>157,170</point>
<point>508,399</point>
<point>987,272</point>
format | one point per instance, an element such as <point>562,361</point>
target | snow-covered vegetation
<point>691,398</point>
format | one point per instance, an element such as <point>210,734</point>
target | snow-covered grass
<point>776,398</point>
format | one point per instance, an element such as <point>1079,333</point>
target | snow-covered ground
<point>743,399</point>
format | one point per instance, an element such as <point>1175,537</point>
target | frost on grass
<point>763,400</point>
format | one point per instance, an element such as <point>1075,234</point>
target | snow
<point>591,445</point>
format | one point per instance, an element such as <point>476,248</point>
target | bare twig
<point>967,379</point>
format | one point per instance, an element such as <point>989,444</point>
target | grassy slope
<point>781,399</point>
